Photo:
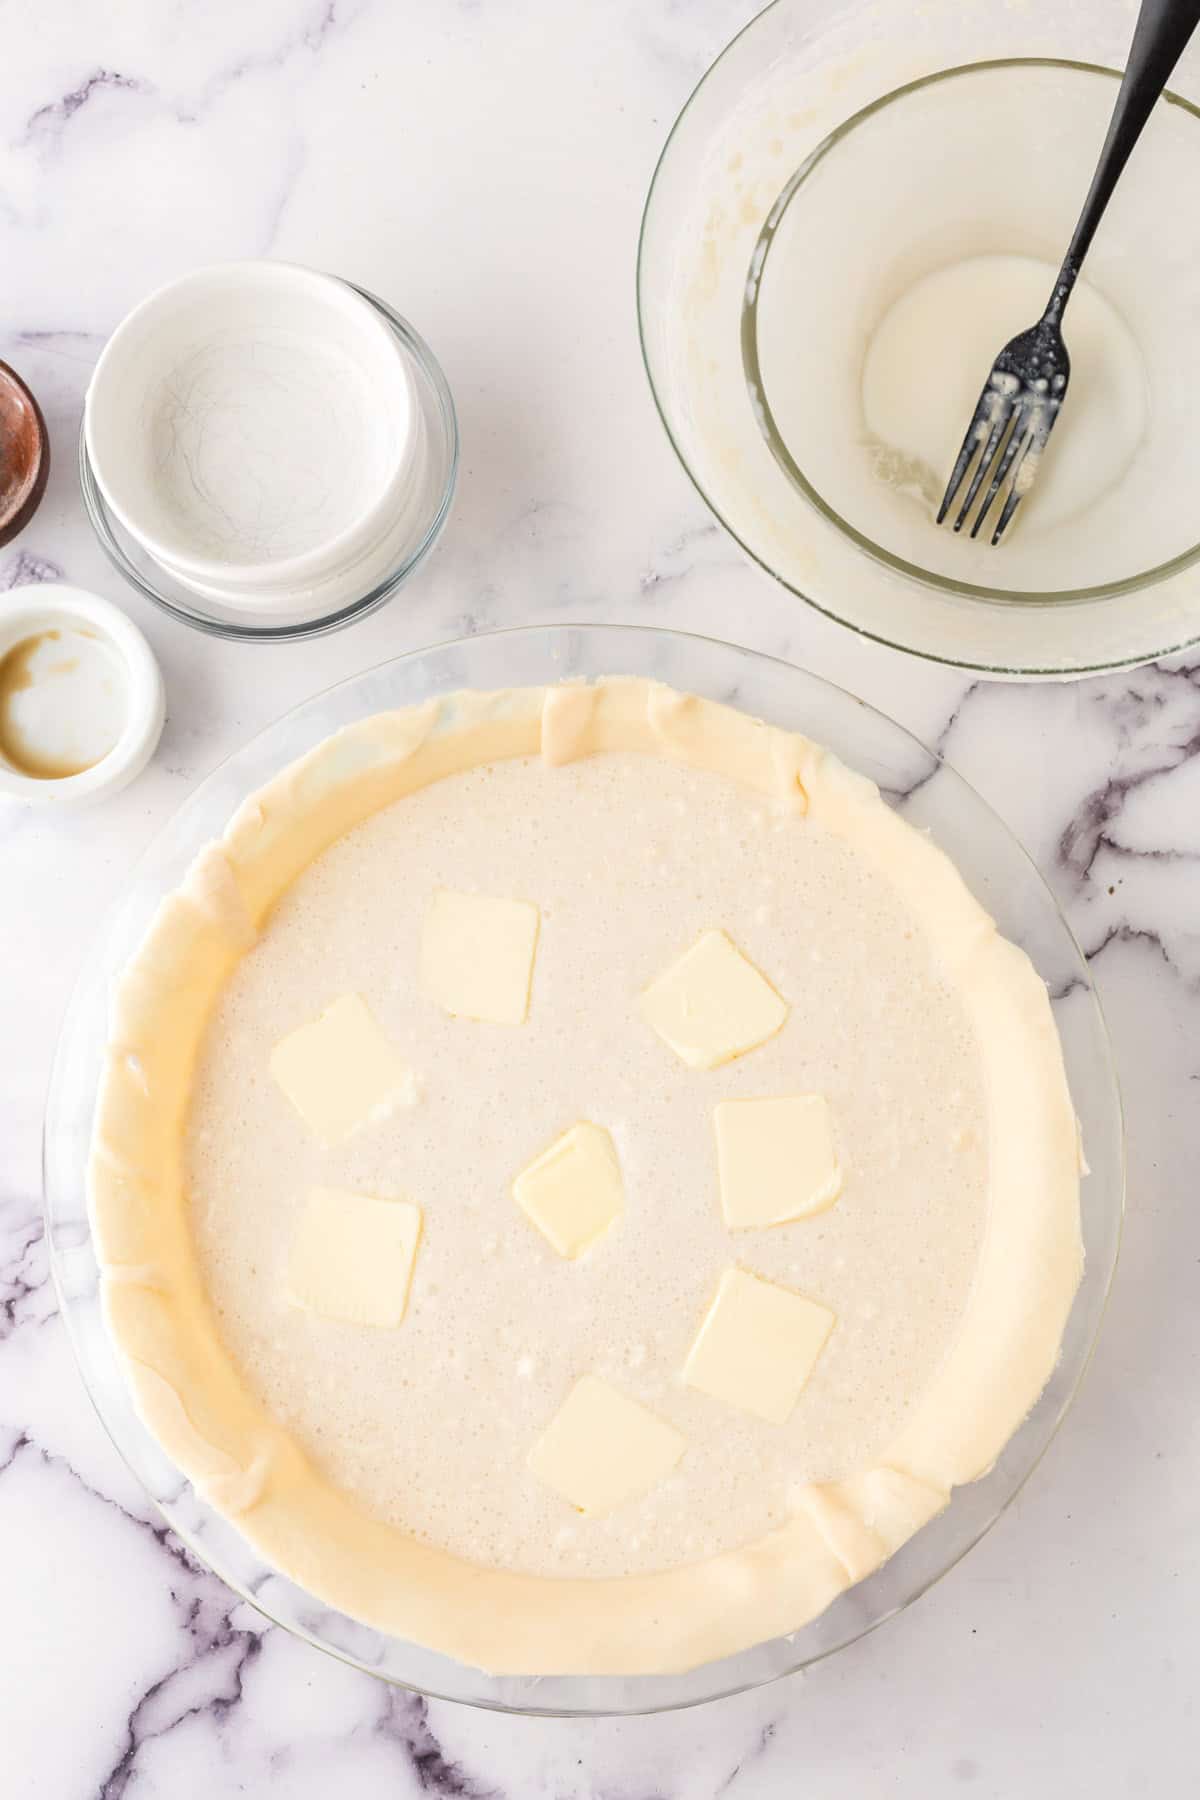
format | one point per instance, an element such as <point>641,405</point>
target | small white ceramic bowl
<point>364,563</point>
<point>251,424</point>
<point>126,680</point>
<point>369,547</point>
<point>410,529</point>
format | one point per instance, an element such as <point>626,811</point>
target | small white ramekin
<point>26,612</point>
<point>369,580</point>
<point>244,409</point>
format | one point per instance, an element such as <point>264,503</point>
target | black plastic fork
<point>1023,394</point>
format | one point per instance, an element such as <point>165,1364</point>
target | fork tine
<point>1002,412</point>
<point>1016,492</point>
<point>969,446</point>
<point>1022,432</point>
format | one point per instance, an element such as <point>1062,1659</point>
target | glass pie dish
<point>929,795</point>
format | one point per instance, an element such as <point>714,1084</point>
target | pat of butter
<point>601,1448</point>
<point>573,1191</point>
<point>352,1257</point>
<point>777,1159</point>
<point>758,1346</point>
<point>339,1070</point>
<point>712,1005</point>
<point>477,956</point>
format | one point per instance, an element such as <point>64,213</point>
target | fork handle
<point>1159,38</point>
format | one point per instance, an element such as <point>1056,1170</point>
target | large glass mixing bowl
<point>929,794</point>
<point>834,158</point>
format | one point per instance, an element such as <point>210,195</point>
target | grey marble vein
<point>679,558</point>
<point>24,1446</point>
<point>1090,827</point>
<point>46,122</point>
<point>26,1296</point>
<point>21,567</point>
<point>205,1685</point>
<point>1130,934</point>
<point>403,1720</point>
<point>309,34</point>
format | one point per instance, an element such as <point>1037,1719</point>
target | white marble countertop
<point>483,166</point>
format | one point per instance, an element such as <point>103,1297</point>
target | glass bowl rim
<point>98,513</point>
<point>760,258</point>
<point>96,966</point>
<point>1013,668</point>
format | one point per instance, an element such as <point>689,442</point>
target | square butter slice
<point>339,1070</point>
<point>713,1004</point>
<point>352,1257</point>
<point>758,1346</point>
<point>477,956</point>
<point>777,1159</point>
<point>573,1191</point>
<point>602,1448</point>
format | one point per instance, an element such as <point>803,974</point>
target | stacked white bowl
<point>256,429</point>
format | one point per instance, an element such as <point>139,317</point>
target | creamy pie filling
<point>400,1461</point>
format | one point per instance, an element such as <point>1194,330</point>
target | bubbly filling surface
<point>629,859</point>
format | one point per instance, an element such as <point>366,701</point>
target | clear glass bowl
<point>820,289</point>
<point>929,794</point>
<point>833,156</point>
<point>161,585</point>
